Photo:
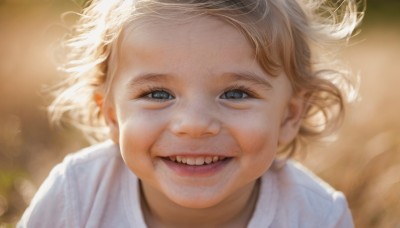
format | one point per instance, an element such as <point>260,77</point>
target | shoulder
<point>89,166</point>
<point>293,175</point>
<point>74,182</point>
<point>82,169</point>
<point>94,154</point>
<point>304,198</point>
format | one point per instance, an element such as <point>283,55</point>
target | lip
<point>185,170</point>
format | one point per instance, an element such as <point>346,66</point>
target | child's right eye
<point>158,95</point>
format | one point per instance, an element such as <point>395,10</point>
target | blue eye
<point>235,94</point>
<point>159,95</point>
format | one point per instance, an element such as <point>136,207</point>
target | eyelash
<point>250,93</point>
<point>148,91</point>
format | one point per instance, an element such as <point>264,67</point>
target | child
<point>205,102</point>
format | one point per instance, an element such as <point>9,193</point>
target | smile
<point>198,160</point>
<point>196,166</point>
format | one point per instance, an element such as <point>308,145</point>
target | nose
<point>196,120</point>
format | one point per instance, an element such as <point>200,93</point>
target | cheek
<point>139,127</point>
<point>258,140</point>
<point>138,133</point>
<point>258,132</point>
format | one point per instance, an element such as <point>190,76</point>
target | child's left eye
<point>234,94</point>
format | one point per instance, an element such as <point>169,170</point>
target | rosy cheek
<point>137,132</point>
<point>258,138</point>
<point>259,143</point>
<point>141,128</point>
<point>136,142</point>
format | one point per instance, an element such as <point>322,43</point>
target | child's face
<point>194,91</point>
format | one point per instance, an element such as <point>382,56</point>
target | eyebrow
<point>232,76</point>
<point>146,78</point>
<point>249,77</point>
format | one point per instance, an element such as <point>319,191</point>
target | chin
<point>199,199</point>
<point>196,203</point>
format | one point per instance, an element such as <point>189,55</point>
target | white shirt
<point>94,188</point>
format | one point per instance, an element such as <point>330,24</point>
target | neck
<point>236,211</point>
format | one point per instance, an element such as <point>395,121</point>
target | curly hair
<point>287,35</point>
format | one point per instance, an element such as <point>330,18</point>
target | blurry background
<point>364,162</point>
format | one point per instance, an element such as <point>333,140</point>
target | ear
<point>292,118</point>
<point>109,114</point>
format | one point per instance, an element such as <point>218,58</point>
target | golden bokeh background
<point>364,162</point>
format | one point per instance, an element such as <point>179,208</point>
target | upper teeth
<point>196,160</point>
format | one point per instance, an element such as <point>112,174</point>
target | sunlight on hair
<point>283,46</point>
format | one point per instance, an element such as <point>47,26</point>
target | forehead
<point>190,32</point>
<point>204,50</point>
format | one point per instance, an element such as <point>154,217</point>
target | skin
<point>195,89</point>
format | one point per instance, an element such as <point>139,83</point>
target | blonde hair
<point>283,34</point>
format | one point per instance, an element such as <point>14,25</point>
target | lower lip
<point>196,170</point>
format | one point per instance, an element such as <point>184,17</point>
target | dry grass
<point>364,162</point>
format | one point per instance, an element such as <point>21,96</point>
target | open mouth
<point>196,166</point>
<point>197,161</point>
